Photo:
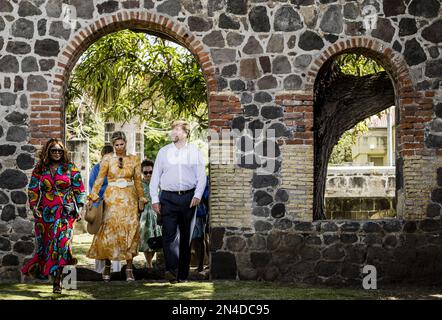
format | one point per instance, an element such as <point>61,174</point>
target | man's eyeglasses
<point>120,163</point>
<point>60,151</point>
<point>147,172</point>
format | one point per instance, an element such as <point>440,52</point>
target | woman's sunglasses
<point>120,163</point>
<point>147,172</point>
<point>53,151</point>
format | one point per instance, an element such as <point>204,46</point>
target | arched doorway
<point>334,114</point>
<point>48,119</point>
<point>49,116</point>
<point>360,178</point>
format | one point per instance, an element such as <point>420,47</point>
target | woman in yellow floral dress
<point>118,237</point>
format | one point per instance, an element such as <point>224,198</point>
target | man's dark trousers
<point>175,212</point>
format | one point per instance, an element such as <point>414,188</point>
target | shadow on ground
<point>209,290</point>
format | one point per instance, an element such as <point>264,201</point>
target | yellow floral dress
<point>119,235</point>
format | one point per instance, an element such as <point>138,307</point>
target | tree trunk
<point>341,101</point>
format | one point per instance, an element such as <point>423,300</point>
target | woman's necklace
<point>53,168</point>
<point>120,158</point>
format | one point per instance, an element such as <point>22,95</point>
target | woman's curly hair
<point>45,157</point>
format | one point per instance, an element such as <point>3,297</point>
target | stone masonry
<point>360,193</point>
<point>260,60</point>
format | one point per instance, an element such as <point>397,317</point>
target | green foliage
<point>357,64</point>
<point>127,75</point>
<point>342,150</point>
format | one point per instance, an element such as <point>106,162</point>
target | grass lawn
<point>205,290</point>
<point>219,290</point>
<point>211,290</point>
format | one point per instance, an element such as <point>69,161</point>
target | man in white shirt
<point>179,172</point>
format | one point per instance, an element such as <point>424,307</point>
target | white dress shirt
<point>178,170</point>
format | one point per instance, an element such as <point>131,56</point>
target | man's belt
<point>121,183</point>
<point>180,192</point>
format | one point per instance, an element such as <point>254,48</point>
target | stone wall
<point>370,182</point>
<point>260,60</point>
<point>331,252</point>
<point>360,208</point>
<point>360,192</point>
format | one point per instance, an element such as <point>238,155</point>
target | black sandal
<point>105,275</point>
<point>57,287</point>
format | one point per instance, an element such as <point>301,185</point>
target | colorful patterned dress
<point>54,229</point>
<point>119,235</point>
<point>148,222</point>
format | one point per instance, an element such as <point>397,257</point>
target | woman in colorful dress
<point>148,221</point>
<point>119,235</point>
<point>56,194</point>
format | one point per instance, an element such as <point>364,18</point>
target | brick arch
<point>392,62</point>
<point>47,113</point>
<point>414,107</point>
